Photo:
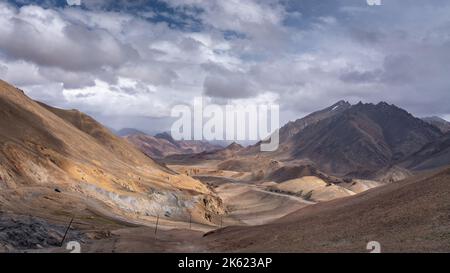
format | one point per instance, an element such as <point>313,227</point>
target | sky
<point>127,63</point>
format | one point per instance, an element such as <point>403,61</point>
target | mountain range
<point>361,141</point>
<point>163,145</point>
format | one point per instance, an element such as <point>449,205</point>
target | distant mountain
<point>221,153</point>
<point>225,153</point>
<point>293,127</point>
<point>362,139</point>
<point>190,146</point>
<point>167,136</point>
<point>440,123</point>
<point>433,155</point>
<point>234,147</point>
<point>128,131</point>
<point>152,146</point>
<point>162,145</point>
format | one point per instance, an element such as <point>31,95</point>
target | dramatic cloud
<point>128,62</point>
<point>47,39</point>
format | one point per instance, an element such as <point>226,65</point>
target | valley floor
<point>407,216</point>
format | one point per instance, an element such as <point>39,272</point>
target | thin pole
<point>156,227</point>
<point>67,230</point>
<point>190,221</point>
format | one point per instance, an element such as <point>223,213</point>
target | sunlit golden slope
<point>44,148</point>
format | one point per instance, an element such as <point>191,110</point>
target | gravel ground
<point>18,233</point>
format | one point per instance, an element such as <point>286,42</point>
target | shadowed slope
<point>363,139</point>
<point>433,155</point>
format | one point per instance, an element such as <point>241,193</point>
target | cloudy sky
<point>127,62</point>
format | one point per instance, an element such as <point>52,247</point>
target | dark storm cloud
<point>231,86</point>
<point>225,84</point>
<point>399,69</point>
<point>361,76</point>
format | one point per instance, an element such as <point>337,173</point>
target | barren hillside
<point>58,162</point>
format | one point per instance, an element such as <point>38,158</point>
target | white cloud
<point>22,73</point>
<point>48,39</point>
<point>116,101</point>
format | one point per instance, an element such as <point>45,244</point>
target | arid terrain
<point>343,176</point>
<point>57,164</point>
